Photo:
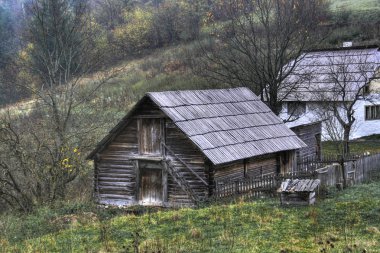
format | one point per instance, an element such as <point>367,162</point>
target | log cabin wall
<point>115,168</point>
<point>311,135</point>
<point>115,175</point>
<point>183,148</point>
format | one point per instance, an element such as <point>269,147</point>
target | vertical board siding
<point>308,133</point>
<point>149,131</point>
<point>151,186</point>
<point>262,166</point>
<point>232,171</point>
<point>177,141</point>
<point>115,175</point>
<point>257,166</point>
<point>360,170</point>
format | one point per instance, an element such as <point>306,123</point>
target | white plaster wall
<point>365,127</point>
<point>361,126</point>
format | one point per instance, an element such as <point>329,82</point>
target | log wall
<point>183,148</point>
<point>115,175</point>
<point>115,167</point>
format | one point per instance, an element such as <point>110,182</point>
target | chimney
<point>347,44</point>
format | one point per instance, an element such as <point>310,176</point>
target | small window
<point>372,112</point>
<point>296,109</point>
<point>366,90</point>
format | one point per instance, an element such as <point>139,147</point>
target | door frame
<point>164,178</point>
<point>160,138</point>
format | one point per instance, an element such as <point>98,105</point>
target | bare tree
<point>42,153</point>
<point>258,40</point>
<point>348,74</point>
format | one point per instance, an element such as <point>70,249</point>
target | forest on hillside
<point>80,65</point>
<point>123,29</point>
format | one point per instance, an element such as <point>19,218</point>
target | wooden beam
<point>137,171</point>
<point>187,166</point>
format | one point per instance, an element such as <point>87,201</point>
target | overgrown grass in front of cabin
<point>347,221</point>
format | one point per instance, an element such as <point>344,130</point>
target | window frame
<point>371,112</point>
<point>298,110</point>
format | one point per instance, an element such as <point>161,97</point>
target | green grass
<point>355,5</point>
<point>368,144</point>
<point>348,220</point>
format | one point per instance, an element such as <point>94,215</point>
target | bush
<point>147,28</point>
<point>137,33</point>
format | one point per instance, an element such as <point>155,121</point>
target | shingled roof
<point>225,124</point>
<point>317,72</point>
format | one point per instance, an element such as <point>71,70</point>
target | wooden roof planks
<point>299,185</point>
<point>225,124</point>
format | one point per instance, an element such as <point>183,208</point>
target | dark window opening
<point>372,112</point>
<point>366,90</point>
<point>296,109</point>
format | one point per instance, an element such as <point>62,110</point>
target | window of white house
<point>372,112</point>
<point>296,109</point>
<point>366,90</point>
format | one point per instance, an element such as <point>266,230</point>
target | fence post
<point>341,158</point>
<point>237,187</point>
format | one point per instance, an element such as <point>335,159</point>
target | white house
<point>336,78</point>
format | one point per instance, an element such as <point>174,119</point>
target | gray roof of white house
<point>225,124</point>
<point>318,72</point>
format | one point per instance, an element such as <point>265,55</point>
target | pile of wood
<point>298,191</point>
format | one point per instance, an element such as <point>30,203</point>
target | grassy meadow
<point>347,221</point>
<point>355,5</point>
<point>368,144</point>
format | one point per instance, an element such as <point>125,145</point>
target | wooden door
<point>149,136</point>
<point>151,189</point>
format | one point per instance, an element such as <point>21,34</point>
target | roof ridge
<point>199,90</point>
<point>216,103</point>
<point>343,48</point>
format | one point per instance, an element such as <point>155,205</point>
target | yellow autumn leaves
<point>70,158</point>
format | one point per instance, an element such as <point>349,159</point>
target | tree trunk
<point>346,139</point>
<point>346,151</point>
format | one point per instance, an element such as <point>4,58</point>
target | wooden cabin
<point>173,146</point>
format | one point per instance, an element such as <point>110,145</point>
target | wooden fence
<point>329,170</point>
<point>364,169</point>
<point>360,170</point>
<point>316,162</point>
<point>256,186</point>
